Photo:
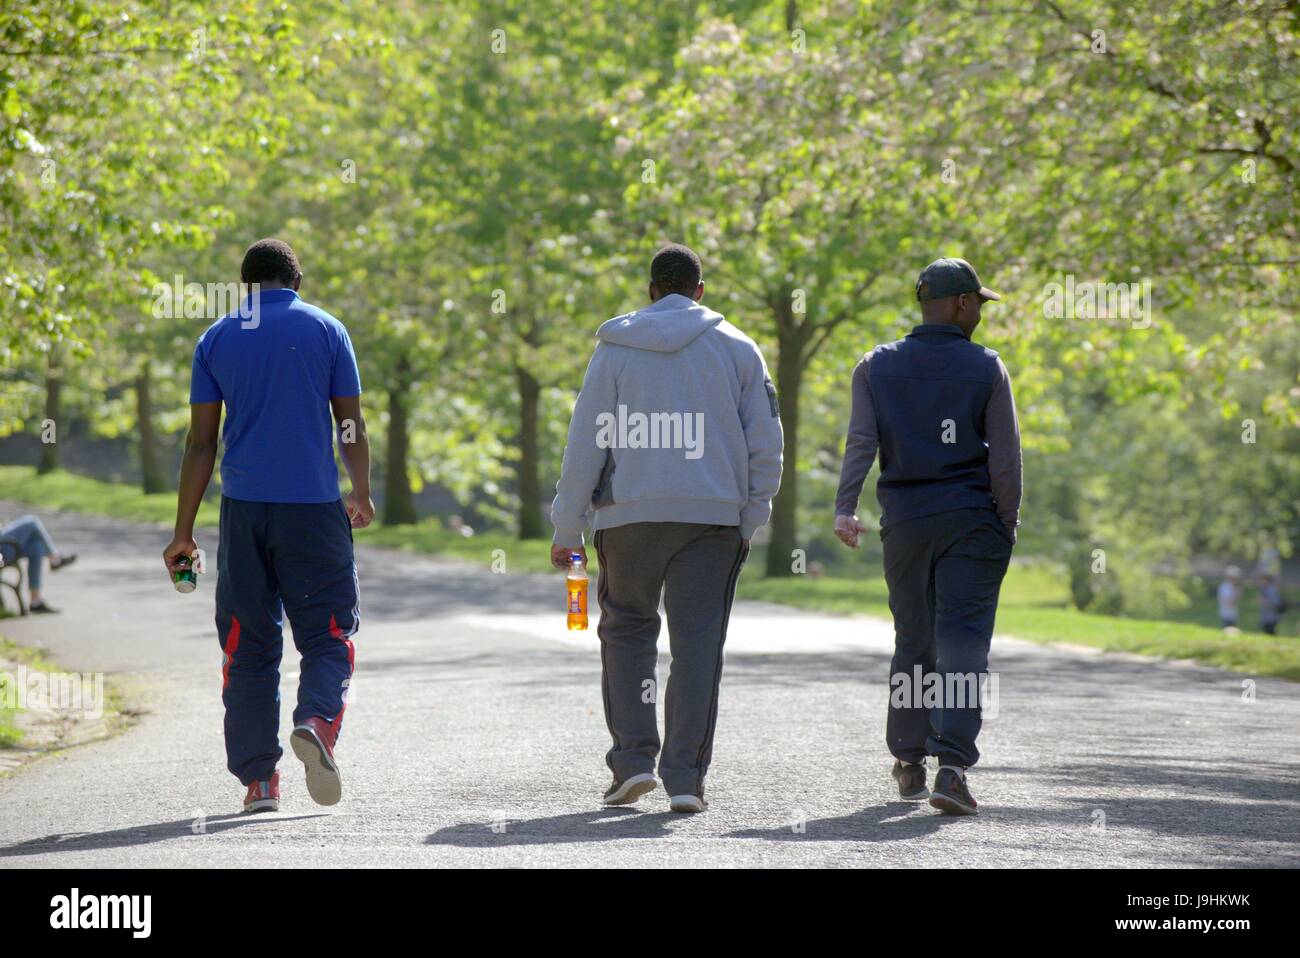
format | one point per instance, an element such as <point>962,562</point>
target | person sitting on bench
<point>27,536</point>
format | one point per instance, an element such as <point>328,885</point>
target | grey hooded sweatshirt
<point>677,421</point>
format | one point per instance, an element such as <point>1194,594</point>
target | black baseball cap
<point>950,277</point>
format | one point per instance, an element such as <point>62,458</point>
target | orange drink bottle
<point>577,582</point>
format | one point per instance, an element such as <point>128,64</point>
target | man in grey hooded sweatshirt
<point>674,454</point>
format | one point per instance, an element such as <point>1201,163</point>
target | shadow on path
<point>892,822</point>
<point>139,834</point>
<point>598,825</point>
<point>884,823</point>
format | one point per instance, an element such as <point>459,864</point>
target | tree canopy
<point>473,188</point>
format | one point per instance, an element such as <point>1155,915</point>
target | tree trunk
<point>399,506</point>
<point>527,471</point>
<point>1075,540</point>
<point>49,460</point>
<point>785,508</point>
<point>151,476</point>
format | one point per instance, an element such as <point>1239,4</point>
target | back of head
<point>676,269</point>
<point>271,263</point>
<point>939,310</point>
<point>950,292</point>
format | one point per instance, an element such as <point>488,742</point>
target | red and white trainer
<point>264,796</point>
<point>313,742</point>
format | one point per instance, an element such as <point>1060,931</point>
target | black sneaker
<point>627,792</point>
<point>42,608</point>
<point>951,796</point>
<point>911,781</point>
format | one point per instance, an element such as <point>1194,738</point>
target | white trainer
<point>687,804</point>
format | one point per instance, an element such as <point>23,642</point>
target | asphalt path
<point>475,737</point>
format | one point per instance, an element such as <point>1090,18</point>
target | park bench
<point>12,575</point>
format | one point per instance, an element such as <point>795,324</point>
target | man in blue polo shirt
<point>281,367</point>
<point>939,410</point>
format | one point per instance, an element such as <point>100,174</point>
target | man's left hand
<point>361,510</point>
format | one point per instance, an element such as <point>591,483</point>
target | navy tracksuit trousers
<point>944,573</point>
<point>277,558</point>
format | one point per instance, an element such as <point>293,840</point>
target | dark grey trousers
<point>694,567</point>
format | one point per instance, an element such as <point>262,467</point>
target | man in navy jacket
<point>939,410</point>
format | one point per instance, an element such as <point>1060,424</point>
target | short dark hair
<point>270,259</point>
<point>676,269</point>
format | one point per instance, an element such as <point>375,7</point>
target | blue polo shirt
<point>276,371</point>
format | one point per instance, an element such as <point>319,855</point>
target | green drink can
<point>184,578</point>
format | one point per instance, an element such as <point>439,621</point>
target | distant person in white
<point>1229,595</point>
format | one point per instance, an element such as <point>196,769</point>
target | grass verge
<point>11,736</point>
<point>1035,602</point>
<point>69,491</point>
<point>1035,605</point>
<point>26,735</point>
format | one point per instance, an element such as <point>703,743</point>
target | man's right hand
<point>179,546</point>
<point>562,555</point>
<point>361,510</point>
<point>847,529</point>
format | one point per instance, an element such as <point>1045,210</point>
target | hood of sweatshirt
<point>665,326</point>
